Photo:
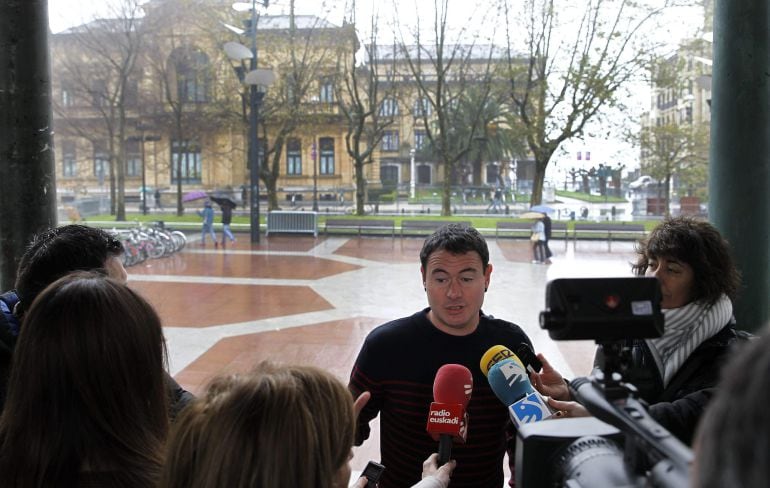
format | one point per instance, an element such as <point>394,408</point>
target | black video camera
<point>621,445</point>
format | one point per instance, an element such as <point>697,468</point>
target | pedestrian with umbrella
<point>208,223</point>
<point>227,205</point>
<point>547,224</point>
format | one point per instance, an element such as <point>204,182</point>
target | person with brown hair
<point>399,360</point>
<point>87,403</point>
<point>276,427</point>
<point>51,255</point>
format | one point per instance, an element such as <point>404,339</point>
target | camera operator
<point>731,446</point>
<point>677,372</point>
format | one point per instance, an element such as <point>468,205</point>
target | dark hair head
<point>59,251</point>
<point>277,426</point>
<point>733,441</point>
<point>456,239</point>
<point>700,245</point>
<point>86,388</point>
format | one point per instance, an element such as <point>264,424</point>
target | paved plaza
<point>299,299</point>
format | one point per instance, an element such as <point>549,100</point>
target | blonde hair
<point>279,426</point>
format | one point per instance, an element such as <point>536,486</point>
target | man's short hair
<point>456,239</point>
<point>58,252</point>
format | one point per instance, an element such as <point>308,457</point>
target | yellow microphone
<point>494,355</point>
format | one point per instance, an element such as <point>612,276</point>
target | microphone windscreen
<point>509,381</point>
<point>453,384</point>
<point>494,355</point>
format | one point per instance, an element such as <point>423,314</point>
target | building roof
<point>387,52</point>
<point>264,22</point>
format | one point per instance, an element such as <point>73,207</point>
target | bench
<point>292,223</point>
<point>425,227</point>
<point>591,230</point>
<point>524,229</point>
<point>374,226</point>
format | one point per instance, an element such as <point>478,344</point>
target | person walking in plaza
<point>158,203</point>
<point>537,238</point>
<point>676,374</point>
<point>208,223</point>
<point>496,205</point>
<point>547,225</point>
<point>399,360</point>
<point>227,217</point>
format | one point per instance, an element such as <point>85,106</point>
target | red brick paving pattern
<point>329,345</point>
<point>245,266</point>
<point>383,249</point>
<point>209,304</point>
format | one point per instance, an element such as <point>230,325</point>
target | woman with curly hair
<point>677,372</point>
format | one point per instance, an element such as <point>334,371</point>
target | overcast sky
<point>66,13</point>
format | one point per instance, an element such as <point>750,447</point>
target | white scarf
<point>686,328</point>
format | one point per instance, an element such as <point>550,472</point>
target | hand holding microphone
<point>550,382</point>
<point>447,418</point>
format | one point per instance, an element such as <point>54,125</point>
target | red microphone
<point>447,419</point>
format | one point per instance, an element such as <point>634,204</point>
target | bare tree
<point>359,95</point>
<point>308,58</point>
<point>675,144</point>
<point>443,72</point>
<point>98,66</point>
<point>674,150</point>
<point>568,79</point>
<point>187,78</point>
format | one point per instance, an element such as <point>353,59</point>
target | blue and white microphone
<point>510,383</point>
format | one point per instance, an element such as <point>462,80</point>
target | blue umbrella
<point>542,209</point>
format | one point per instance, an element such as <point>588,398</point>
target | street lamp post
<point>257,80</point>
<point>314,156</point>
<point>412,179</point>
<point>142,139</point>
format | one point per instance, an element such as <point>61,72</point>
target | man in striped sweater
<point>399,360</point>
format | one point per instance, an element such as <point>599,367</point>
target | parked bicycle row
<point>142,242</point>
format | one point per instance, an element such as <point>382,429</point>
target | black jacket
<point>680,405</point>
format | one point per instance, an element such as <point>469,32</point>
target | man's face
<point>115,269</point>
<point>455,284</point>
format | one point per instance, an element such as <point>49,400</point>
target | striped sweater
<point>397,364</point>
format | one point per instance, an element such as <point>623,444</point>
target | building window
<point>67,96</point>
<point>293,157</point>
<point>420,139</point>
<point>423,174</point>
<point>133,159</point>
<point>389,175</point>
<point>326,94</point>
<point>186,162</point>
<point>69,160</point>
<point>422,107</point>
<point>131,93</point>
<point>493,174</point>
<point>101,163</point>
<point>390,140</point>
<point>192,77</point>
<point>327,155</point>
<point>389,107</point>
<point>99,93</point>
